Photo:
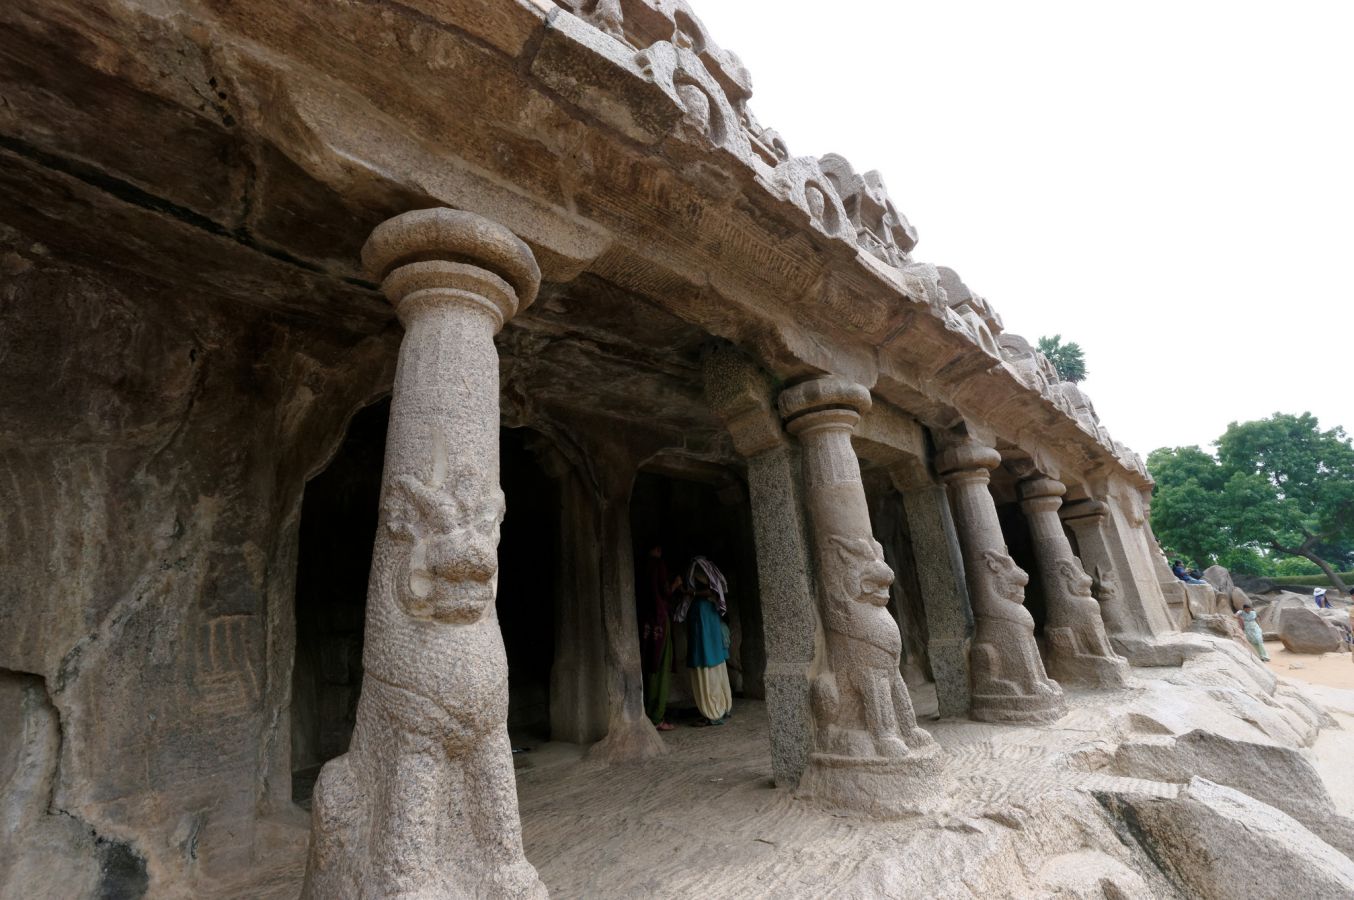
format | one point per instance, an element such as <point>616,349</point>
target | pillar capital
<point>967,461</point>
<point>1078,510</point>
<point>828,401</point>
<point>1038,493</point>
<point>429,257</point>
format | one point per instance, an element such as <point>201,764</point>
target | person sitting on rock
<point>1319,595</point>
<point>1179,569</point>
<point>1252,630</point>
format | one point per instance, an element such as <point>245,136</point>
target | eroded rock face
<point>155,444</point>
<point>1220,843</point>
<point>48,855</point>
<point>1279,775</point>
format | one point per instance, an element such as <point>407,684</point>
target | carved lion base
<point>1012,688</point>
<point>1017,709</point>
<point>1070,665</point>
<point>875,787</point>
<point>418,808</point>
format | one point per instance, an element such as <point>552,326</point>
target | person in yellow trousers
<point>703,607</point>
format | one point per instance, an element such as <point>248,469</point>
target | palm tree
<point>1067,359</point>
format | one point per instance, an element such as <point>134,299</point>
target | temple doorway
<point>1020,544</point>
<point>528,551</point>
<point>337,529</point>
<point>888,521</point>
<point>701,512</point>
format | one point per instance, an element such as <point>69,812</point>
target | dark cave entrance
<point>689,517</point>
<point>338,526</point>
<point>1020,544</point>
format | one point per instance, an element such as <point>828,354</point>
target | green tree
<point>1309,472</point>
<point>1068,359</point>
<point>1278,486</point>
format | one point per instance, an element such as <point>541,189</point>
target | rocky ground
<point>1204,780</point>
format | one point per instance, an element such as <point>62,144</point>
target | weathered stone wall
<point>153,453</point>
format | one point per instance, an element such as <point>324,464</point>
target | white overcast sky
<point>1170,184</point>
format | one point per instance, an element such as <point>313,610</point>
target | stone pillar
<point>1079,652</point>
<point>578,700</point>
<point>424,803</point>
<point>1009,682</point>
<point>944,591</point>
<point>1086,518</point>
<point>741,395</point>
<point>869,755</point>
<point>630,735</point>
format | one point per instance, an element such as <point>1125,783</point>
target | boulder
<point>1218,842</point>
<point>1303,631</point>
<point>1221,625</point>
<point>1201,599</point>
<point>1220,578</point>
<point>1337,619</point>
<point>1268,609</point>
<point>1253,584</point>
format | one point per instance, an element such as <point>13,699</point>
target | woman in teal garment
<point>707,650</point>
<point>1253,632</point>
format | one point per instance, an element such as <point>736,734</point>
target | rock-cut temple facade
<point>354,354</point>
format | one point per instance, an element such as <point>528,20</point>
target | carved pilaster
<point>1079,651</point>
<point>940,576</point>
<point>431,734</point>
<point>869,755</point>
<point>741,395</point>
<point>1009,682</point>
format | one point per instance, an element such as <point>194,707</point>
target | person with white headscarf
<point>703,605</point>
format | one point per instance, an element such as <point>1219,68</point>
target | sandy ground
<point>1334,670</point>
<point>1328,677</point>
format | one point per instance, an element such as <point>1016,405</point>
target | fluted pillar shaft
<point>1079,651</point>
<point>424,803</point>
<point>1009,681</point>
